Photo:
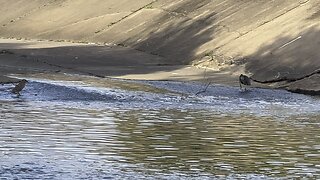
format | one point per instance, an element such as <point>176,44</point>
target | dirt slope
<point>273,40</point>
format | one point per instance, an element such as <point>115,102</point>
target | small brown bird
<point>244,80</point>
<point>19,87</point>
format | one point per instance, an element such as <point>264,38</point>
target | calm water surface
<point>67,127</point>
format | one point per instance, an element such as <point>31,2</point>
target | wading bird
<point>244,80</point>
<point>19,87</point>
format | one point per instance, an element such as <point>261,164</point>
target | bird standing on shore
<point>19,87</point>
<point>244,80</point>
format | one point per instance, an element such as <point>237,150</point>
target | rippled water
<point>72,127</point>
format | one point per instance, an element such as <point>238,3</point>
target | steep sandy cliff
<point>276,40</point>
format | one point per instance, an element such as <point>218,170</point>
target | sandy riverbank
<point>31,56</point>
<point>276,42</point>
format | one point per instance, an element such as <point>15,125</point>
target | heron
<point>19,87</point>
<point>244,80</point>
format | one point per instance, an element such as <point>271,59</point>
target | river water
<point>79,127</point>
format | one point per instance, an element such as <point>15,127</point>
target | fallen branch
<point>205,77</point>
<point>205,89</point>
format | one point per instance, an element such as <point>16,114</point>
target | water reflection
<point>148,135</point>
<point>203,142</point>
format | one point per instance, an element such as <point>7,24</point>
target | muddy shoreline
<point>34,56</point>
<point>274,42</point>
